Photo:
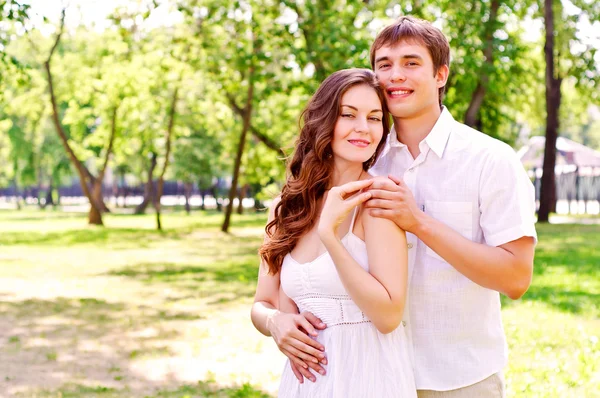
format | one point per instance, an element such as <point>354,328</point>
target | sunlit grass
<point>128,311</point>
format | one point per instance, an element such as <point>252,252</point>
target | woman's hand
<point>340,201</point>
<point>290,334</point>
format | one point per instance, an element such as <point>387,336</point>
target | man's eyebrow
<point>384,58</point>
<point>407,56</point>
<point>412,56</point>
<point>356,109</point>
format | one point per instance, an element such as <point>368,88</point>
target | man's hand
<point>291,333</point>
<point>392,199</point>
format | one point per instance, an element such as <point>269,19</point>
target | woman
<point>323,254</point>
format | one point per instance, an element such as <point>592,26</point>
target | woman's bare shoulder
<point>368,176</point>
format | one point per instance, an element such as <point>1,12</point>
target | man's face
<point>405,70</point>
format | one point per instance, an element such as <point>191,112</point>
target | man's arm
<point>506,268</point>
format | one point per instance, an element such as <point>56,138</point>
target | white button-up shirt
<point>477,186</point>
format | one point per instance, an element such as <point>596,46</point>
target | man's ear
<point>442,75</point>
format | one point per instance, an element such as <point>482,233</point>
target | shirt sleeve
<point>506,198</point>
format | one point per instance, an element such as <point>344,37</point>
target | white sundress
<point>361,361</point>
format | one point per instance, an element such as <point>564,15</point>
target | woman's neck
<point>344,172</point>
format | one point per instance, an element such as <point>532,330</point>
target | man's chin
<point>402,112</point>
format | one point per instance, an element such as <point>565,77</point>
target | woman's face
<point>359,127</point>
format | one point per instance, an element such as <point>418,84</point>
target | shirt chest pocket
<point>456,215</point>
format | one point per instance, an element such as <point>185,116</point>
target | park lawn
<point>127,311</point>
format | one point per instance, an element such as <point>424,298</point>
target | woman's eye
<point>347,115</point>
<point>376,119</point>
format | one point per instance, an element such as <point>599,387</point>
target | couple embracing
<point>388,246</point>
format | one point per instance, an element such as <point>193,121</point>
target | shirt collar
<point>436,139</point>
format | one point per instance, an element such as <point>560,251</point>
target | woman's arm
<point>286,304</point>
<point>271,320</point>
<point>381,292</point>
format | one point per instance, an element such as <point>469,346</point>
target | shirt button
<point>410,245</point>
<point>403,323</point>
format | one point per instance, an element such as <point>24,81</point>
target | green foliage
<point>135,66</point>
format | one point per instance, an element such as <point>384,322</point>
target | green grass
<point>127,311</point>
<point>553,330</point>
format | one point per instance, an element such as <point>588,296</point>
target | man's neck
<point>411,131</point>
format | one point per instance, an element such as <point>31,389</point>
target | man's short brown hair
<point>421,31</point>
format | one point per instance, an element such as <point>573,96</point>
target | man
<point>468,207</point>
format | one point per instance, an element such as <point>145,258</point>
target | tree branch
<point>270,143</point>
<point>111,141</point>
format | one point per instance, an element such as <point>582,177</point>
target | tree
<point>12,13</point>
<point>90,115</point>
<point>567,57</point>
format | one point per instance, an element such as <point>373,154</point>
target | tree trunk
<point>243,193</point>
<point>49,199</point>
<point>240,151</point>
<point>187,192</point>
<point>95,216</point>
<point>202,198</point>
<point>148,189</point>
<point>472,114</point>
<point>98,198</point>
<point>553,98</point>
<point>161,178</point>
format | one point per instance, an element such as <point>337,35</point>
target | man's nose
<point>397,75</point>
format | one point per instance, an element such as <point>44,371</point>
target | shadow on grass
<point>566,273</point>
<point>218,283</point>
<point>197,219</point>
<point>208,389</point>
<point>86,333</point>
<point>211,389</point>
<point>124,236</point>
<point>116,237</point>
<point>102,315</point>
<point>566,300</point>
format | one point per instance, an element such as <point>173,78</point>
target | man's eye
<point>381,66</point>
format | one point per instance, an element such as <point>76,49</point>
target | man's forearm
<point>492,267</point>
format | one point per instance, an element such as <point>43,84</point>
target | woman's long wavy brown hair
<point>311,166</point>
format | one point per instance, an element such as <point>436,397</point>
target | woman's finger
<point>354,186</point>
<point>301,354</point>
<point>303,338</point>
<point>304,366</point>
<point>310,350</point>
<point>358,199</point>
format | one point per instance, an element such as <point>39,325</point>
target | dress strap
<point>353,219</point>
